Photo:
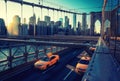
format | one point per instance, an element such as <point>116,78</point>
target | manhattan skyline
<point>15,9</point>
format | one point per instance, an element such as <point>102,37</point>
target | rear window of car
<point>84,62</point>
<point>45,59</point>
<point>52,57</point>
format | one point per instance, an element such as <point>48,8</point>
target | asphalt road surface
<point>57,72</point>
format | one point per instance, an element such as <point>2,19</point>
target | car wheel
<point>58,61</point>
<point>47,66</point>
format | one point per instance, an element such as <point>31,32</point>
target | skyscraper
<point>24,28</point>
<point>74,22</point>
<point>66,21</point>
<point>52,27</point>
<point>61,19</point>
<point>47,19</point>
<point>3,30</point>
<point>84,23</point>
<point>14,27</point>
<point>32,25</point>
<point>79,29</point>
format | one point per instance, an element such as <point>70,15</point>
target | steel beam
<point>51,43</point>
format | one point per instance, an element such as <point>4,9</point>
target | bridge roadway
<point>58,72</point>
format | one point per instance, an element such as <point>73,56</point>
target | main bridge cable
<point>59,6</point>
<point>41,6</point>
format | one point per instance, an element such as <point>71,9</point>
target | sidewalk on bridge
<point>102,67</point>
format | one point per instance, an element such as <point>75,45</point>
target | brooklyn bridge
<point>86,42</point>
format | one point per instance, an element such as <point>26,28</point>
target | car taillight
<point>80,69</point>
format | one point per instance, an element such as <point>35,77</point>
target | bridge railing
<point>14,52</point>
<point>14,55</point>
<point>69,38</point>
<point>115,47</point>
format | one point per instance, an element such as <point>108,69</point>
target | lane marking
<point>48,69</point>
<point>68,74</point>
<point>74,52</point>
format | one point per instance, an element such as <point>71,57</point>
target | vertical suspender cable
<point>42,23</point>
<point>41,13</point>
<point>48,11</point>
<point>53,14</point>
<point>116,33</point>
<point>21,12</point>
<point>6,12</point>
<point>34,20</point>
<point>53,24</point>
<point>22,32</point>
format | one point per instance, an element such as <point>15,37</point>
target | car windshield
<point>45,59</point>
<point>84,61</point>
<point>52,57</point>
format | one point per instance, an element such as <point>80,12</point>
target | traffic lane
<point>52,74</point>
<point>67,74</point>
<point>39,76</point>
<point>60,71</point>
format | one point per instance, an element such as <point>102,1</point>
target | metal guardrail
<point>115,48</point>
<point>12,56</point>
<point>19,51</point>
<point>50,43</point>
<point>60,38</point>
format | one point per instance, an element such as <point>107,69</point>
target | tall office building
<point>52,27</point>
<point>32,19</point>
<point>14,27</point>
<point>41,28</point>
<point>84,23</point>
<point>79,29</point>
<point>74,22</point>
<point>61,19</point>
<point>3,30</point>
<point>32,25</point>
<point>66,21</point>
<point>47,19</point>
<point>24,28</point>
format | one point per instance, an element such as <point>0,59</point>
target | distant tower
<point>24,28</point>
<point>3,30</point>
<point>61,19</point>
<point>84,23</point>
<point>14,27</point>
<point>66,21</point>
<point>79,25</point>
<point>39,27</point>
<point>79,28</point>
<point>74,22</point>
<point>47,19</point>
<point>32,25</point>
<point>32,20</point>
<point>52,27</point>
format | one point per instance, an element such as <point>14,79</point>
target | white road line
<point>68,74</point>
<point>74,52</point>
<point>48,69</point>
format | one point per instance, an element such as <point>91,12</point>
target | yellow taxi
<point>46,62</point>
<point>92,49</point>
<point>82,65</point>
